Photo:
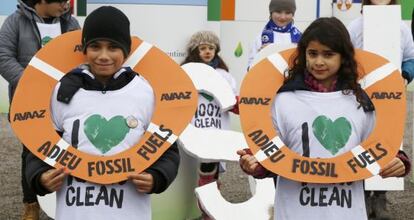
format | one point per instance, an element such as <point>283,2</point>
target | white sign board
<point>381,35</point>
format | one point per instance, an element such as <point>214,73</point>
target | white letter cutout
<point>211,145</point>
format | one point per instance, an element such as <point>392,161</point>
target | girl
<point>204,47</point>
<point>279,29</point>
<point>324,72</point>
<point>355,29</point>
<point>98,91</point>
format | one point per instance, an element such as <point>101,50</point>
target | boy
<point>103,89</point>
<point>280,28</point>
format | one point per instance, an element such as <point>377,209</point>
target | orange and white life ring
<point>380,79</point>
<point>175,104</point>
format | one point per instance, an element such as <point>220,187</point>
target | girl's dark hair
<point>368,2</point>
<point>194,56</point>
<point>333,34</point>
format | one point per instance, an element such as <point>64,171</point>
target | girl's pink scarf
<point>315,86</point>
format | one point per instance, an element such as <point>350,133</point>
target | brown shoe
<point>31,211</point>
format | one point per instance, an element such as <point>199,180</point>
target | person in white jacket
<point>355,29</point>
<point>376,201</point>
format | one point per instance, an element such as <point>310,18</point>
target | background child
<point>204,47</point>
<point>103,90</point>
<point>324,72</point>
<point>355,29</point>
<point>280,28</point>
<point>22,34</point>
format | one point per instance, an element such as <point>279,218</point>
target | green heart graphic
<point>105,134</point>
<point>46,40</point>
<point>332,135</point>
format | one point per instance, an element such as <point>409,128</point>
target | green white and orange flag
<point>219,10</point>
<point>407,8</point>
<point>78,7</point>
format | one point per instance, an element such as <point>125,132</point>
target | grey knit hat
<point>282,5</point>
<point>203,37</point>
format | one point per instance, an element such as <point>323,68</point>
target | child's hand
<point>395,168</point>
<point>144,182</point>
<point>247,162</point>
<point>52,180</point>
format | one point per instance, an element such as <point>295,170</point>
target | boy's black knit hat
<point>282,5</point>
<point>107,23</point>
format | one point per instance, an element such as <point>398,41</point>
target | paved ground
<point>401,203</point>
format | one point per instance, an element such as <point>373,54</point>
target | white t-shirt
<point>102,130</point>
<point>209,113</point>
<point>355,29</point>
<point>48,31</point>
<point>335,125</point>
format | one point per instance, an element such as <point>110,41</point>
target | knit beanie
<point>107,23</point>
<point>282,5</point>
<point>203,37</point>
<point>30,3</point>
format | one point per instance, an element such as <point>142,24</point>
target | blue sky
<point>164,2</point>
<point>9,6</point>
